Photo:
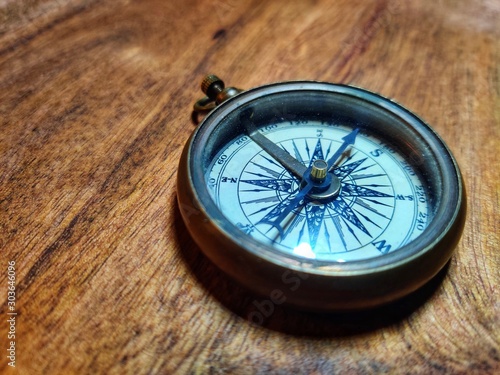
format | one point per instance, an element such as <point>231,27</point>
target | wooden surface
<point>95,107</point>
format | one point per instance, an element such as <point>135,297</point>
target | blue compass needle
<point>349,139</point>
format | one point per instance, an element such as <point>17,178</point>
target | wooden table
<point>95,107</point>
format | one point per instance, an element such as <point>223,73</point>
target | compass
<point>326,195</point>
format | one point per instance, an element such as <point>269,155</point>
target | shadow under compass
<point>292,321</point>
<point>260,311</point>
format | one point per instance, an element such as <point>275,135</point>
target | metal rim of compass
<point>236,253</point>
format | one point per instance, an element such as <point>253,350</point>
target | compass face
<point>381,204</point>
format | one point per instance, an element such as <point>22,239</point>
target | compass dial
<point>381,204</point>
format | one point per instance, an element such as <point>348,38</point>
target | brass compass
<point>333,184</point>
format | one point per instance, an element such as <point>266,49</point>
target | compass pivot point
<point>319,170</point>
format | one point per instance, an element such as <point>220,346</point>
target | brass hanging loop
<point>216,93</point>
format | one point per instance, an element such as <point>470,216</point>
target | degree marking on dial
<point>253,190</point>
<point>364,168</point>
<point>377,202</point>
<point>296,152</point>
<point>350,230</point>
<point>272,161</point>
<point>336,222</point>
<point>258,211</point>
<point>284,185</point>
<point>346,212</point>
<point>363,176</point>
<point>366,206</point>
<point>257,174</point>
<point>351,190</point>
<point>367,219</point>
<point>262,200</point>
<point>266,169</point>
<point>346,169</point>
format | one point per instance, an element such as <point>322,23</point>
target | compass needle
<point>348,140</point>
<point>278,153</point>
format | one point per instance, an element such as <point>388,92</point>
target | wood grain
<point>95,106</point>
